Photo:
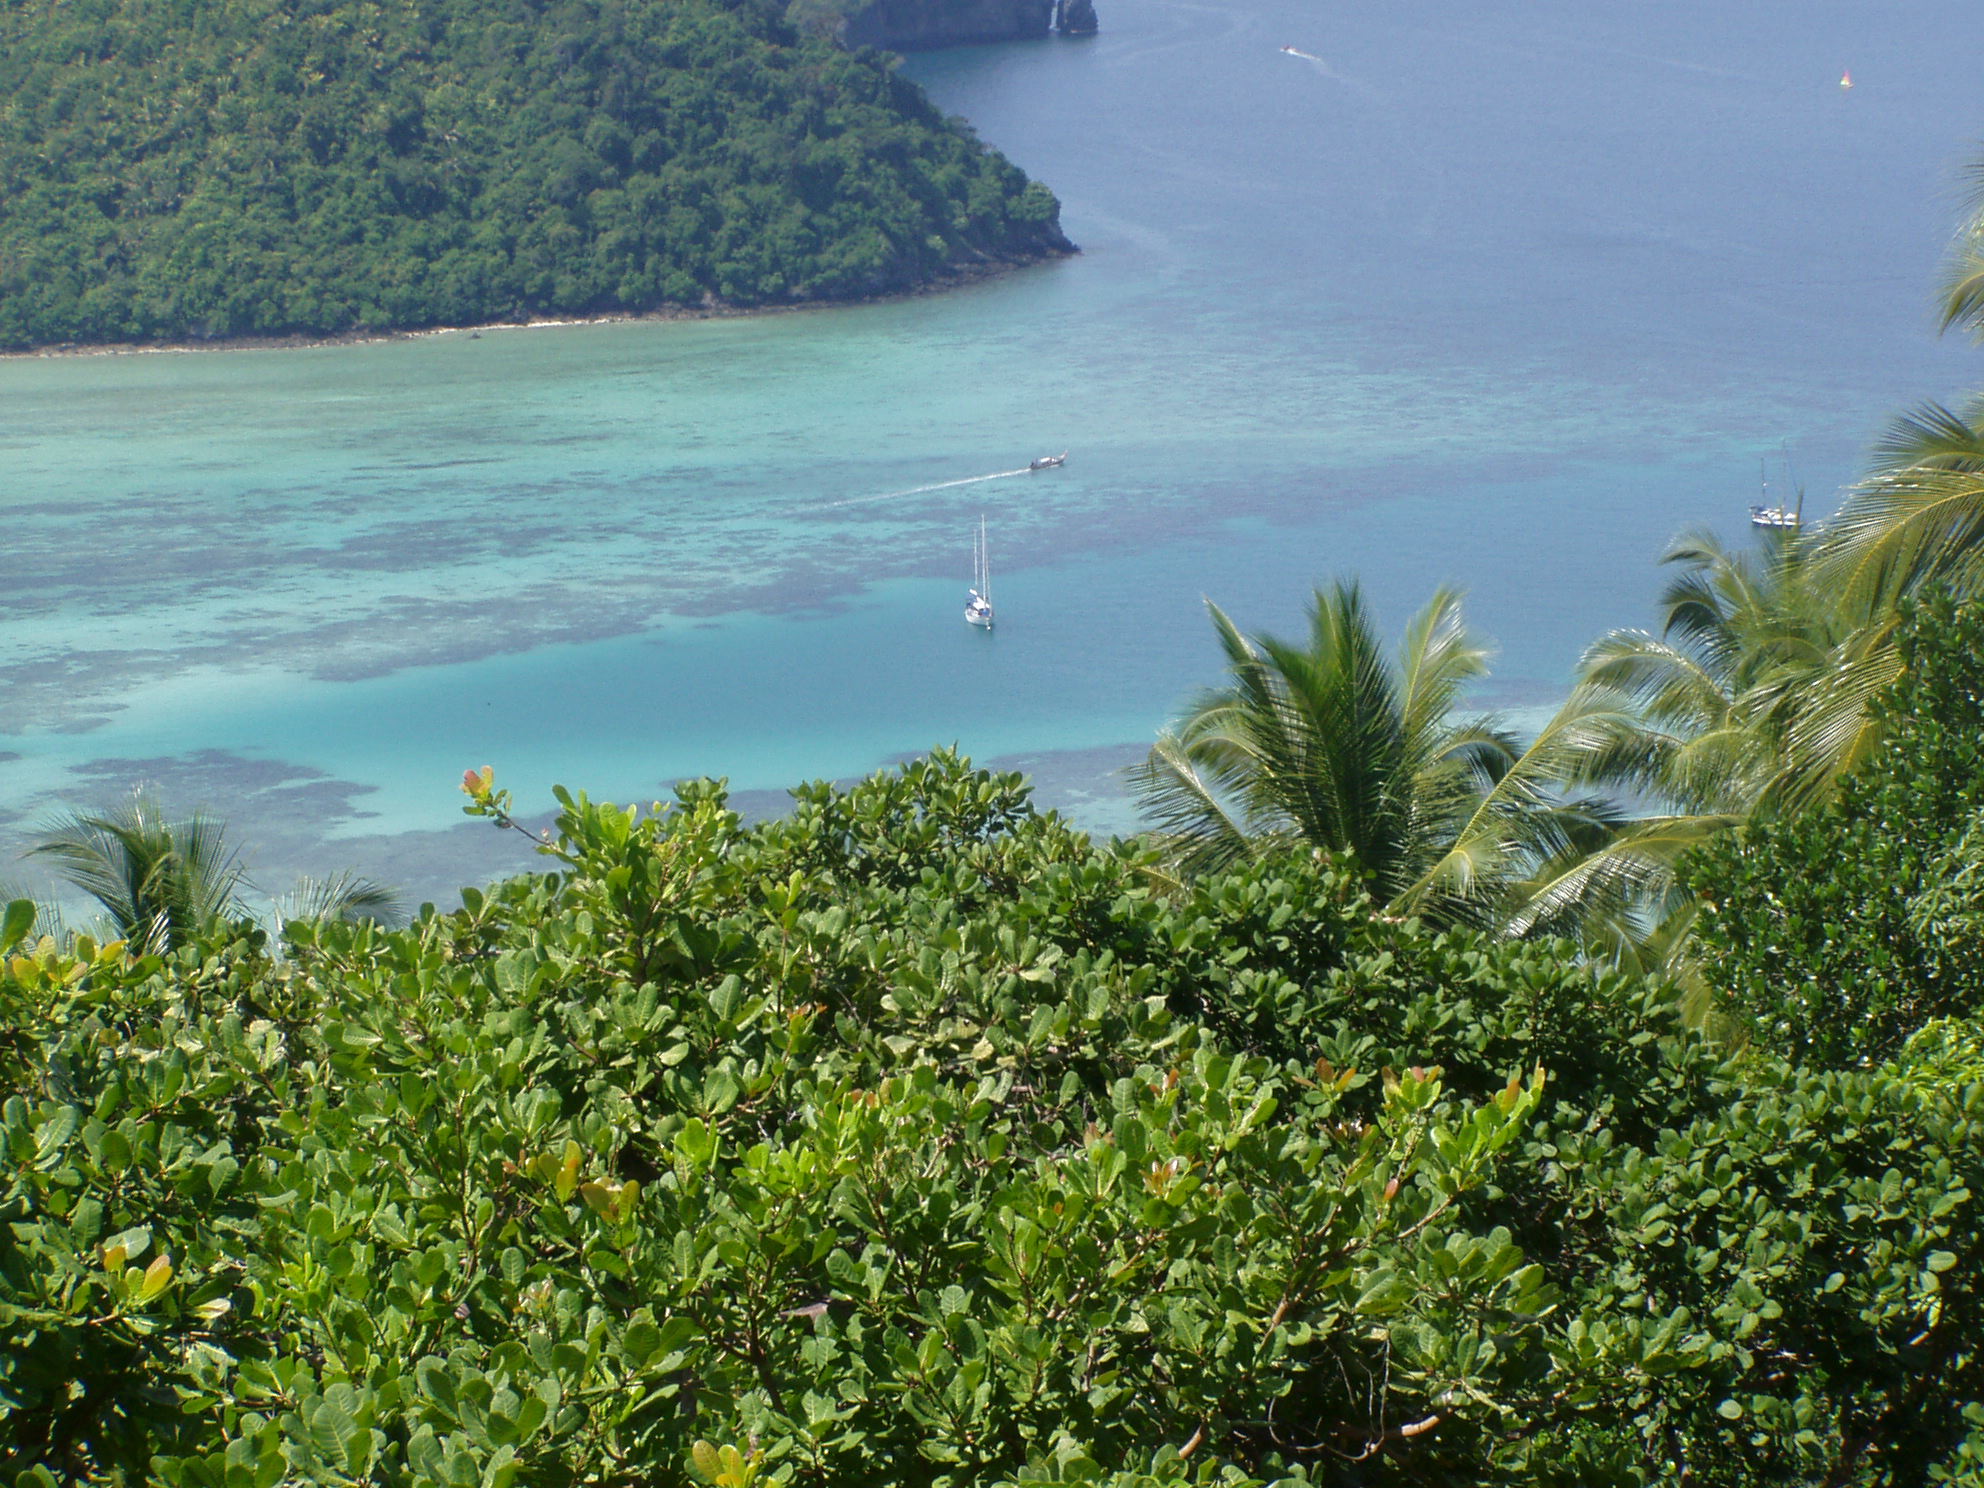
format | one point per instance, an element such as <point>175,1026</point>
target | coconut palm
<point>342,896</point>
<point>163,881</point>
<point>1963,282</point>
<point>1750,697</point>
<point>1751,694</point>
<point>1330,743</point>
<point>1917,519</point>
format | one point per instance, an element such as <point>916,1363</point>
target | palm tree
<point>1750,697</point>
<point>1751,694</point>
<point>163,881</point>
<point>1331,744</point>
<point>342,896</point>
<point>1917,519</point>
<point>1963,282</point>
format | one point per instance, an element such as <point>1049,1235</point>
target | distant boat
<point>1291,51</point>
<point>1846,80</point>
<point>1047,462</point>
<point>978,604</point>
<point>1778,517</point>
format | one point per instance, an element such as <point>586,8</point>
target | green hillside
<point>272,167</point>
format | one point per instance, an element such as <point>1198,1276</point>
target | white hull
<point>978,601</point>
<point>1775,515</point>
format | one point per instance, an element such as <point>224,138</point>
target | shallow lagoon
<point>1497,299</point>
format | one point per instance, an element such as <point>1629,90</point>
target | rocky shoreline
<point>929,25</point>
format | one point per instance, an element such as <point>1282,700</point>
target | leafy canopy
<point>266,167</point>
<point>916,1139</point>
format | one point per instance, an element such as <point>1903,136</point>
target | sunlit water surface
<point>1497,295</point>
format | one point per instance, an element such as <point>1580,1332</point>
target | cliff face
<point>1074,17</point>
<point>918,25</point>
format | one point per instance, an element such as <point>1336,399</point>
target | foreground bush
<point>1837,933</point>
<point>916,1139</point>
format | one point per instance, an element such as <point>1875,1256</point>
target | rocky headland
<point>923,25</point>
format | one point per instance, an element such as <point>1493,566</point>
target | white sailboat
<point>978,606</point>
<point>1778,517</point>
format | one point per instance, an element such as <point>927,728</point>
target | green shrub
<point>916,1139</point>
<point>1836,933</point>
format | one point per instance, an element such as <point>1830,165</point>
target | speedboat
<point>1047,462</point>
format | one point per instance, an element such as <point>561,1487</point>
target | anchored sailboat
<point>1777,516</point>
<point>978,607</point>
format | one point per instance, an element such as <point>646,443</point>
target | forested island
<point>1411,1102</point>
<point>322,167</point>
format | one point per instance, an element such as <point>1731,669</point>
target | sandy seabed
<point>957,278</point>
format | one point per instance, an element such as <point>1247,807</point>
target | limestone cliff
<point>1074,17</point>
<point>918,25</point>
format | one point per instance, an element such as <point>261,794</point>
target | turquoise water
<point>1501,299</point>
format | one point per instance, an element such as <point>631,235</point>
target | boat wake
<point>1354,85</point>
<point>969,480</point>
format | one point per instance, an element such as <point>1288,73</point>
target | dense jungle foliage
<point>267,167</point>
<point>915,1138</point>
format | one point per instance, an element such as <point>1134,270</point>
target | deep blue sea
<point>1500,295</point>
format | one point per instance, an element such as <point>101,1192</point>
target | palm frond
<point>158,879</point>
<point>1629,882</point>
<point>342,896</point>
<point>1700,604</point>
<point>1667,684</point>
<point>1963,282</point>
<point>1346,760</point>
<point>1327,740</point>
<point>1930,436</point>
<point>1834,730</point>
<point>1437,658</point>
<point>1189,805</point>
<point>1901,531</point>
<point>1519,820</point>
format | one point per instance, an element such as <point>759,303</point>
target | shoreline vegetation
<point>1411,1104</point>
<point>305,170</point>
<point>959,278</point>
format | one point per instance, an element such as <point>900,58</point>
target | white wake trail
<point>969,480</point>
<point>1353,84</point>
